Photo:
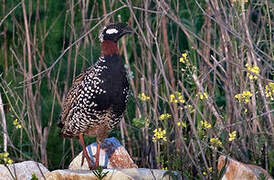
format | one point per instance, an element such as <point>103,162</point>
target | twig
<point>75,42</point>
<point>11,11</point>
<point>4,125</point>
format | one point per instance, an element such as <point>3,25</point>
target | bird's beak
<point>126,30</point>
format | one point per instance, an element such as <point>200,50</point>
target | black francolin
<point>98,96</point>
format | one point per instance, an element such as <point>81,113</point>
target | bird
<point>97,99</point>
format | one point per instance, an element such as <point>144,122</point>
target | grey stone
<point>22,170</point>
<point>235,170</point>
<point>113,174</point>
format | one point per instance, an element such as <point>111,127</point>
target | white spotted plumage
<point>98,96</point>
<point>83,115</point>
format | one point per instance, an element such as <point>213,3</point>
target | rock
<point>236,170</point>
<point>113,174</point>
<point>23,170</point>
<point>112,155</point>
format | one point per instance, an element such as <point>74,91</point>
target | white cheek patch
<point>112,31</point>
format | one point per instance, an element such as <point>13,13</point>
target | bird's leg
<point>97,155</point>
<point>85,153</point>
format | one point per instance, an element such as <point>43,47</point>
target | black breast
<point>115,85</point>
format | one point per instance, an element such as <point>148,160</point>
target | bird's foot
<point>91,164</point>
<point>96,164</point>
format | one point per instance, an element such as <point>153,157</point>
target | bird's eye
<point>112,31</point>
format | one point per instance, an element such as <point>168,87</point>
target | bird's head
<point>114,32</point>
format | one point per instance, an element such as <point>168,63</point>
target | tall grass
<point>201,76</point>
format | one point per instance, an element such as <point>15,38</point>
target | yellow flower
<point>210,169</point>
<point>253,68</point>
<point>215,142</point>
<point>172,98</point>
<point>183,124</point>
<point>181,100</point>
<point>190,108</point>
<point>17,124</point>
<point>269,90</point>
<point>143,97</point>
<point>238,96</point>
<point>232,135</point>
<point>5,157</point>
<point>8,160</point>
<point>271,84</point>
<point>164,168</point>
<point>205,125</point>
<point>202,96</point>
<point>164,116</point>
<point>204,173</point>
<point>245,95</point>
<point>177,97</point>
<point>184,59</point>
<point>159,134</point>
